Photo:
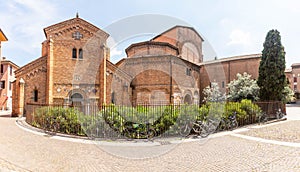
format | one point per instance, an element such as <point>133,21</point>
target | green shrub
<point>184,113</point>
<point>250,108</point>
<point>114,120</point>
<point>166,120</point>
<point>64,119</point>
<point>234,107</point>
<point>215,110</point>
<point>161,118</point>
<point>203,112</point>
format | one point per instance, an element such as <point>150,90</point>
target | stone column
<point>66,102</point>
<point>49,95</point>
<point>103,91</point>
<point>21,97</point>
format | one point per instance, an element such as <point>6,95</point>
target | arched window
<point>35,95</point>
<point>74,53</point>
<point>80,54</point>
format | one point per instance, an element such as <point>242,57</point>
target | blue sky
<point>232,27</point>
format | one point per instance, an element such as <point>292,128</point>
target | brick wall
<point>224,70</point>
<point>161,78</point>
<point>74,73</point>
<point>186,39</point>
<point>57,75</point>
<point>295,79</point>
<point>150,48</point>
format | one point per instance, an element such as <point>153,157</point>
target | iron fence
<point>94,123</point>
<point>272,107</point>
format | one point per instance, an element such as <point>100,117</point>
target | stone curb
<point>123,142</point>
<point>275,120</point>
<point>118,142</point>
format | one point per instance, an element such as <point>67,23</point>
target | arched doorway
<point>76,99</point>
<point>187,99</point>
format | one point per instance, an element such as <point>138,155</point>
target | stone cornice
<point>71,24</point>
<point>113,69</point>
<point>31,66</point>
<point>234,58</point>
<point>151,43</point>
<point>176,27</point>
<point>10,62</point>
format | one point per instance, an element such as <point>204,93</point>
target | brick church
<point>75,69</point>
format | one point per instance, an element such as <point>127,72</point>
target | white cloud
<point>239,37</point>
<point>23,23</point>
<point>115,52</point>
<point>225,22</point>
<point>43,9</point>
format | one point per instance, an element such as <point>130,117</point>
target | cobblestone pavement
<point>287,131</point>
<point>21,150</point>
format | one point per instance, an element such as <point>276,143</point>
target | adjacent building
<point>7,77</point>
<point>224,70</point>
<point>7,69</point>
<point>293,77</point>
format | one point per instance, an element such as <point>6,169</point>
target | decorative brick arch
<point>77,92</point>
<point>191,52</point>
<point>188,97</point>
<point>152,86</point>
<point>178,36</point>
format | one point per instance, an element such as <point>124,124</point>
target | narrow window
<point>35,95</point>
<point>188,71</point>
<point>223,84</point>
<point>295,79</point>
<point>113,97</point>
<point>80,54</point>
<point>10,86</point>
<point>74,53</point>
<point>11,70</point>
<point>3,84</point>
<point>2,68</point>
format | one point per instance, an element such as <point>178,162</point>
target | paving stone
<point>21,150</point>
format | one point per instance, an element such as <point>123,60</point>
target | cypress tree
<point>272,79</point>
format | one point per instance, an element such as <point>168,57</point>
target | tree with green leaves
<point>243,88</point>
<point>289,94</point>
<point>272,79</point>
<point>212,93</point>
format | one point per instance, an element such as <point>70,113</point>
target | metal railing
<point>93,123</point>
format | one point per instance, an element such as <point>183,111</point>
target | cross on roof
<point>77,35</point>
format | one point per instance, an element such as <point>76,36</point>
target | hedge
<point>113,120</point>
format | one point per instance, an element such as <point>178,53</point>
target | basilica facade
<point>75,69</point>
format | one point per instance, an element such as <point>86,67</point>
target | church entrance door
<point>76,99</point>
